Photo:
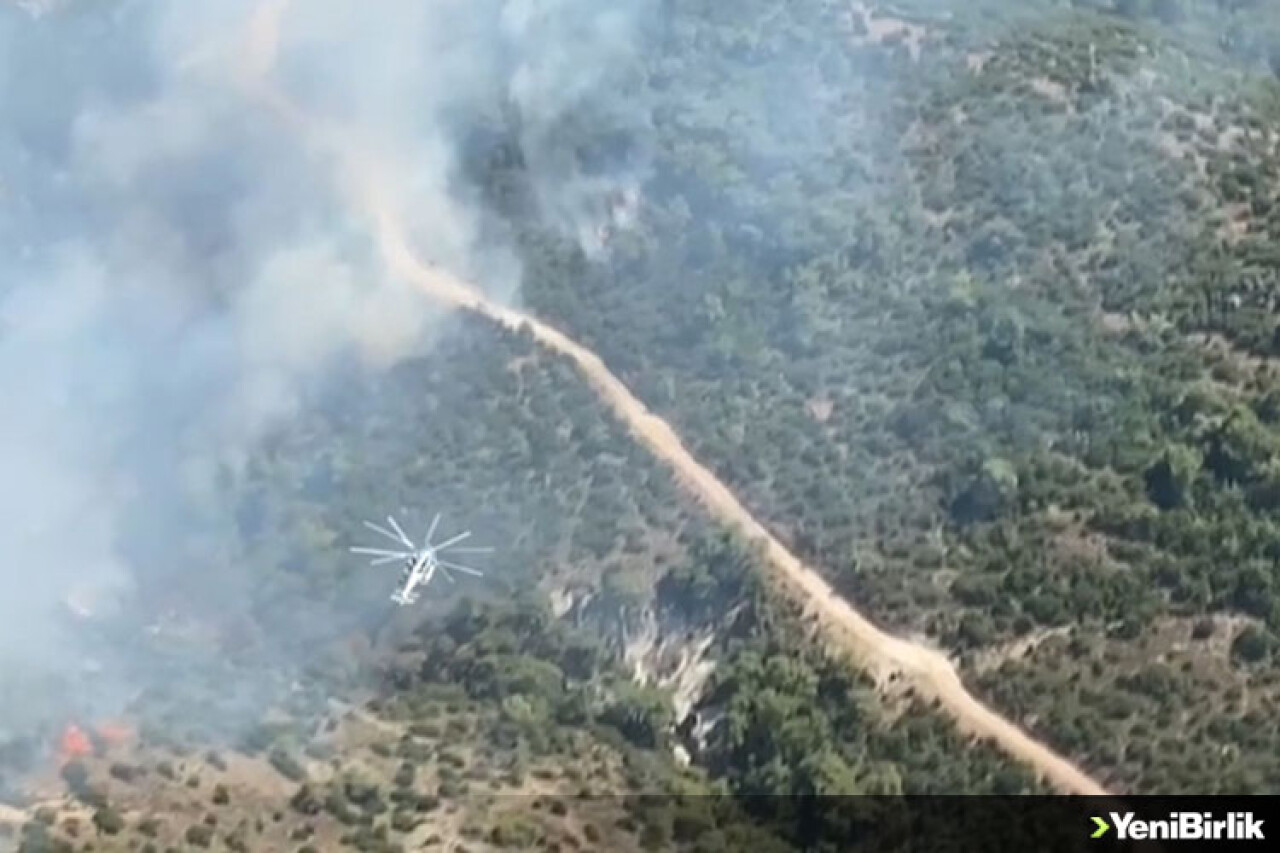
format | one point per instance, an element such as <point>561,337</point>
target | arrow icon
<point>1102,828</point>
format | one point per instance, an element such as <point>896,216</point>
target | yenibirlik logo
<point>1182,826</point>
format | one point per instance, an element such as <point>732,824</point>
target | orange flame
<point>113,733</point>
<point>75,744</point>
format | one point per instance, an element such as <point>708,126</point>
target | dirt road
<point>881,654</point>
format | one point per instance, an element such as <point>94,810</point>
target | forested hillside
<point>971,303</point>
<point>981,324</point>
<point>410,728</point>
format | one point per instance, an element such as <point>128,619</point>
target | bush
<point>365,795</point>
<point>1168,479</point>
<point>287,766</point>
<point>108,821</point>
<point>199,835</point>
<point>986,493</point>
<point>306,801</point>
<point>124,772</point>
<point>76,776</point>
<point>336,804</point>
<point>36,838</point>
<point>1251,645</point>
<point>405,775</point>
<point>513,831</point>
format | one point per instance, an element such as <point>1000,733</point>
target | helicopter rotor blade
<point>463,535</point>
<point>404,537</point>
<point>431,530</point>
<point>457,567</point>
<point>381,552</point>
<point>387,533</point>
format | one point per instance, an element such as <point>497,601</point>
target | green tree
<point>108,821</point>
<point>1251,645</point>
<point>643,715</point>
<point>1240,448</point>
<point>986,493</point>
<point>1169,478</point>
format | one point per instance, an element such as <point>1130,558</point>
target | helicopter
<point>420,564</point>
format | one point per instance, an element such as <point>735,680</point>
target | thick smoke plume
<point>182,269</point>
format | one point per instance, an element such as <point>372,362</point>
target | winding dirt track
<point>927,670</point>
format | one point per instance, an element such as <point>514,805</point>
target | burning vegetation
<point>78,743</point>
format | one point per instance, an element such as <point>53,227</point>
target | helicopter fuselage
<point>418,571</point>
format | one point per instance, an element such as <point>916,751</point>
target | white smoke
<point>190,267</point>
